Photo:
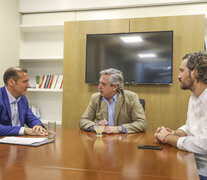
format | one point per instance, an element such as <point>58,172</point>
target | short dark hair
<point>198,61</point>
<point>12,72</point>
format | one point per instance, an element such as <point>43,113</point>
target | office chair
<point>142,101</point>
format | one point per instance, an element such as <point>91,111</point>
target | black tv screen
<point>143,57</point>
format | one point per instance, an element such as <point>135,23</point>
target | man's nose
<point>179,76</point>
<point>28,85</point>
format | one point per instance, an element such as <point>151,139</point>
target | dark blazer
<point>25,115</point>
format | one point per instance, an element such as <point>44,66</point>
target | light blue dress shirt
<point>111,110</point>
<point>14,111</point>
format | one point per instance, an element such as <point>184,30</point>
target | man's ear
<point>11,82</point>
<point>115,87</point>
<point>194,73</point>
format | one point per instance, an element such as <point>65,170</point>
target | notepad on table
<point>25,141</point>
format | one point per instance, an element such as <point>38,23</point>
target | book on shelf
<point>46,82</point>
<point>42,82</point>
<point>35,111</point>
<point>59,82</point>
<point>61,86</point>
<point>53,82</point>
<point>56,81</point>
<point>50,84</point>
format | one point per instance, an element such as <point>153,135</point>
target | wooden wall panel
<point>165,105</point>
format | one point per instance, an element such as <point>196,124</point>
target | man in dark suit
<point>14,109</point>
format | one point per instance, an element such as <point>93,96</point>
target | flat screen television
<point>143,57</point>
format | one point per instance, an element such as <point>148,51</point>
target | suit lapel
<point>6,102</point>
<point>118,108</point>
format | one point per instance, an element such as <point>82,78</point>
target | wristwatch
<point>120,129</point>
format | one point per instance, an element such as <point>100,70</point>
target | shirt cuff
<point>184,128</point>
<point>91,128</point>
<point>21,131</point>
<point>180,143</point>
<point>124,129</point>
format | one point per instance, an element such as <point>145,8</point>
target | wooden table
<point>79,155</point>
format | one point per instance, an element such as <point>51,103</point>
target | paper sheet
<point>21,140</point>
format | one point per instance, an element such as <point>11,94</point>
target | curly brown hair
<point>198,61</point>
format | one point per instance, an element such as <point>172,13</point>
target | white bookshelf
<point>41,53</point>
<point>41,28</point>
<point>49,58</point>
<point>44,90</point>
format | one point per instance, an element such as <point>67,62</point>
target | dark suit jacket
<point>128,112</point>
<point>25,115</point>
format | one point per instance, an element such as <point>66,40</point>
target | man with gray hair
<point>117,109</point>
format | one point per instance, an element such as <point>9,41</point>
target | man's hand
<point>103,122</point>
<point>36,130</point>
<point>160,128</point>
<point>39,129</point>
<point>162,134</point>
<point>156,132</point>
<point>111,129</point>
<point>166,135</point>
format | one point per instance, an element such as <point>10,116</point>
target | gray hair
<point>116,77</point>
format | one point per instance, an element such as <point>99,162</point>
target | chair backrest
<point>142,101</point>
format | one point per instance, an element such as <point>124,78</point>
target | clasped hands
<point>162,133</point>
<point>108,129</point>
<point>36,130</point>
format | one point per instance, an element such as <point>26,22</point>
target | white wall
<point>9,35</point>
<point>117,13</point>
<point>28,6</point>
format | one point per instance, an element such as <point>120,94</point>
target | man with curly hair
<point>192,136</point>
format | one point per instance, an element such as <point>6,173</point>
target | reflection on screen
<point>144,57</point>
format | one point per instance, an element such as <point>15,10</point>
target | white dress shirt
<point>196,130</point>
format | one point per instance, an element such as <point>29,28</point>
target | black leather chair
<point>142,101</point>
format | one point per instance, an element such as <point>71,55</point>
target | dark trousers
<point>203,177</point>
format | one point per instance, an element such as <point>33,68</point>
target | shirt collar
<point>12,99</point>
<point>203,95</point>
<point>113,99</point>
<point>201,98</point>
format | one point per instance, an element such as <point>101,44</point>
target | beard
<point>188,84</point>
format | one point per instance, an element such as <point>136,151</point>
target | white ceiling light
<point>149,55</point>
<point>131,39</point>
